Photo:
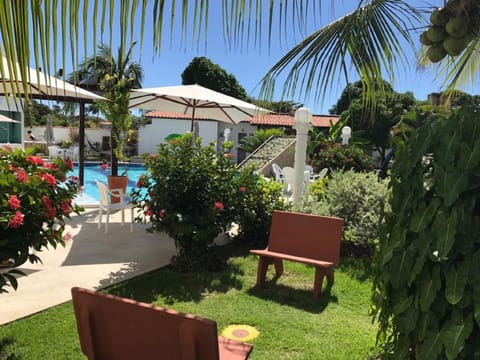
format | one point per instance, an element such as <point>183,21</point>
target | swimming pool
<point>93,173</point>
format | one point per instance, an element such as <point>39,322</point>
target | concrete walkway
<point>91,260</point>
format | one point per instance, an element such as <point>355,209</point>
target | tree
<point>34,113</point>
<point>116,77</point>
<point>281,107</point>
<point>204,72</point>
<point>388,111</point>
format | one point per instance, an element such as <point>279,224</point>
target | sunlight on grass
<point>291,323</point>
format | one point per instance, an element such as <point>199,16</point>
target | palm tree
<point>113,78</point>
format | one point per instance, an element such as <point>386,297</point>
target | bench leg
<point>263,264</point>
<point>320,273</point>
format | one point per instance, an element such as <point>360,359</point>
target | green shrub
<point>252,142</point>
<point>337,157</point>
<point>256,201</point>
<point>357,198</point>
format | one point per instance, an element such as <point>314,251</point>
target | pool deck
<point>91,259</point>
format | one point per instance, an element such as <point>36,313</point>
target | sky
<point>249,63</point>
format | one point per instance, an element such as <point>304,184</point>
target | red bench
<point>114,328</point>
<point>310,239</point>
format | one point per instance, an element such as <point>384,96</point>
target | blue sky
<point>250,63</point>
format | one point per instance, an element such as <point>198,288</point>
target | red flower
<point>69,163</point>
<point>141,181</point>
<point>218,206</point>
<point>65,205</point>
<point>74,178</point>
<point>51,212</point>
<point>229,155</point>
<point>46,201</point>
<point>243,189</point>
<point>16,220</point>
<point>51,166</point>
<point>152,156</point>
<point>49,178</point>
<point>149,212</point>
<point>36,160</point>
<point>14,202</point>
<point>21,175</point>
<point>161,214</point>
<point>10,166</point>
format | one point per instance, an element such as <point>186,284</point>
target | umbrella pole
<point>81,143</point>
<point>193,119</point>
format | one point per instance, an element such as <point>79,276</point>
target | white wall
<point>151,135</point>
<point>63,133</point>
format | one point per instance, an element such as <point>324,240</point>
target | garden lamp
<point>346,135</point>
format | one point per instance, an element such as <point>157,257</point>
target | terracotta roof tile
<point>287,120</point>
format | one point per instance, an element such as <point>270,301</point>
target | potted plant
<point>116,78</point>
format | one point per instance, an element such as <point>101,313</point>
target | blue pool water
<point>94,173</point>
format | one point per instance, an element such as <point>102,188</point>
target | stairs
<point>280,150</point>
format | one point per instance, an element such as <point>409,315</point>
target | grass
<point>291,323</point>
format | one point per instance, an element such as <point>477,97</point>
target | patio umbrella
<point>6,119</point>
<point>49,134</point>
<point>194,100</point>
<point>46,87</point>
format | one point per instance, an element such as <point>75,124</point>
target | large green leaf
<point>429,285</point>
<point>449,144</point>
<point>407,321</point>
<point>469,158</point>
<point>444,230</point>
<point>422,243</point>
<point>450,184</point>
<point>427,322</point>
<point>395,240</point>
<point>400,265</point>
<point>424,215</point>
<point>456,279</point>
<point>476,287</point>
<point>454,333</point>
<point>401,301</point>
<point>431,347</point>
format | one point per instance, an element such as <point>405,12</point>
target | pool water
<point>94,173</point>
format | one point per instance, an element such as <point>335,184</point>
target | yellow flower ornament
<point>240,332</point>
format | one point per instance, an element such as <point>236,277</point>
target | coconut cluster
<point>449,34</point>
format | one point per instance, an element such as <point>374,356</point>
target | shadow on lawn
<point>298,298</point>
<point>360,269</point>
<point>6,349</point>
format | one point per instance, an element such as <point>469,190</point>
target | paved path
<point>91,259</point>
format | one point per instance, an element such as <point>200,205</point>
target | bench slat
<point>272,254</point>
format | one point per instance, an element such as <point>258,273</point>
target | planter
<point>117,182</point>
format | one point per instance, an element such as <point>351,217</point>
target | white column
<point>302,125</point>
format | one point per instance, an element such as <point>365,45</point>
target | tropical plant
<point>252,142</point>
<point>358,198</point>
<point>36,198</point>
<point>427,285</point>
<point>116,78</point>
<point>337,157</point>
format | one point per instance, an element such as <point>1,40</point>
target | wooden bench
<point>310,239</point>
<point>114,328</point>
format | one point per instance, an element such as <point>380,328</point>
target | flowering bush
<point>187,193</point>
<point>192,194</point>
<point>337,157</point>
<point>35,199</point>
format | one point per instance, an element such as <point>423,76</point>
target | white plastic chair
<point>288,179</point>
<point>277,171</point>
<point>106,205</point>
<point>73,153</point>
<point>54,151</point>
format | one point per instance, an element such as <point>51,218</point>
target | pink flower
<point>141,181</point>
<point>229,155</point>
<point>161,214</point>
<point>218,206</point>
<point>243,189</point>
<point>14,202</point>
<point>74,178</point>
<point>49,178</point>
<point>36,160</point>
<point>51,166</point>
<point>152,156</point>
<point>16,220</point>
<point>10,166</point>
<point>67,237</point>
<point>21,175</point>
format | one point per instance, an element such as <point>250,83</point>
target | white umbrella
<point>6,119</point>
<point>194,100</point>
<point>49,134</point>
<point>41,85</point>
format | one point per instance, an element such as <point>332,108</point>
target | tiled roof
<point>287,120</point>
<point>171,115</point>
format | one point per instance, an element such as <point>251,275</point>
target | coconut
<point>436,53</point>
<point>436,33</point>
<point>439,17</point>
<point>454,46</point>
<point>424,39</point>
<point>457,26</point>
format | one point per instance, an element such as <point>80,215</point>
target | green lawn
<point>291,323</point>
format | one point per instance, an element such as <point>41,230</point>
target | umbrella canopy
<point>4,118</point>
<point>43,86</point>
<point>194,100</point>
